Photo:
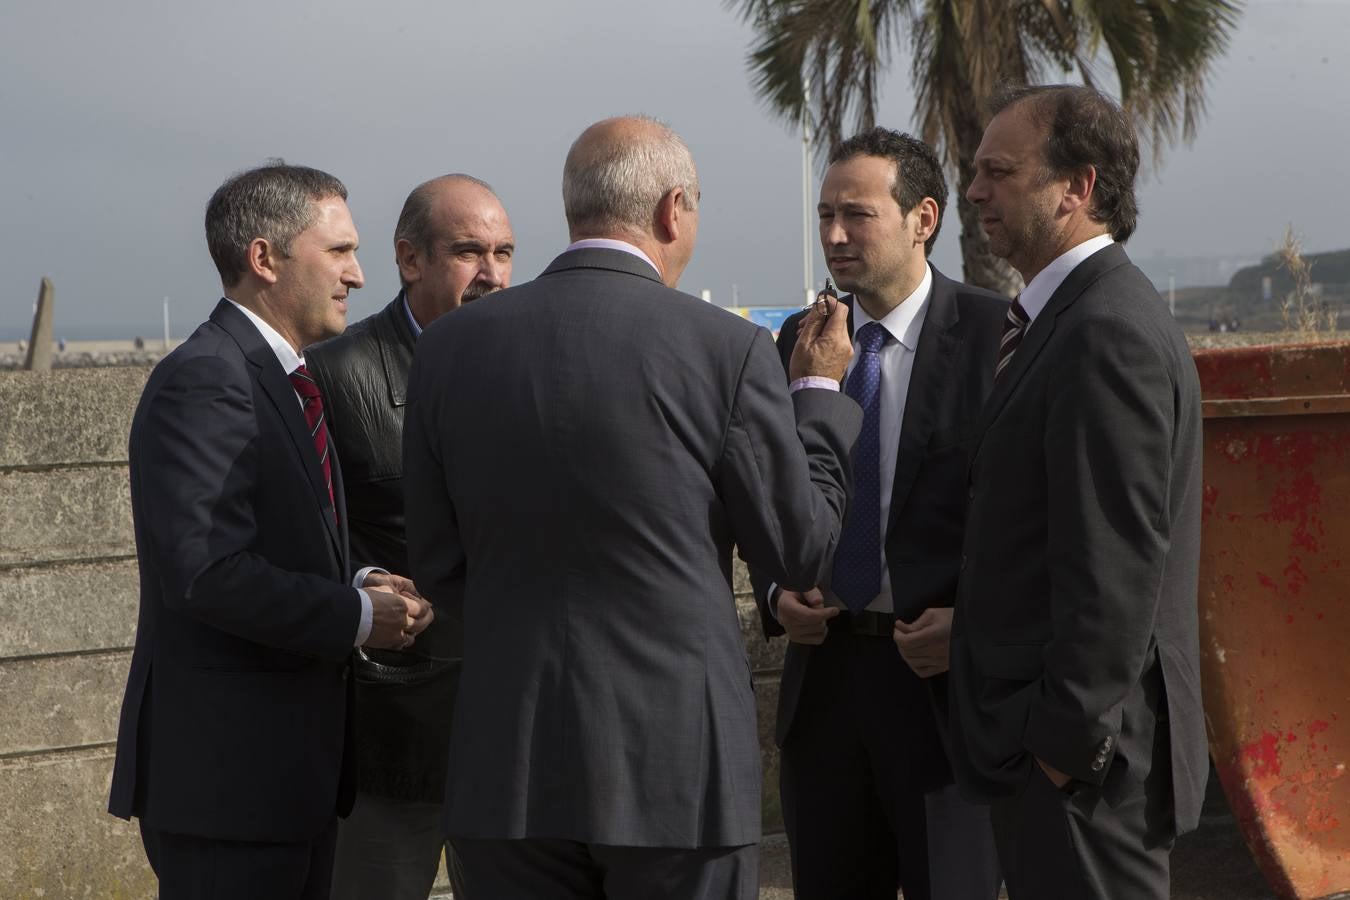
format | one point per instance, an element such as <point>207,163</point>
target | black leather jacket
<point>402,730</point>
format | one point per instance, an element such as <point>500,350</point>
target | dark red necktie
<point>308,390</point>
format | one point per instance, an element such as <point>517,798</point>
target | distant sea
<point>11,333</point>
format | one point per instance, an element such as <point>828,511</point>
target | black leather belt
<point>864,624</point>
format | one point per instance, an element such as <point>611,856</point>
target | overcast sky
<point>118,120</point>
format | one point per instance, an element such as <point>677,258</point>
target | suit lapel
<point>396,344</point>
<point>933,360</point>
<point>277,386</point>
<point>1041,331</point>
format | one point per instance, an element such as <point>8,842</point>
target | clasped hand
<point>926,642</point>
<point>805,617</point>
<point>400,613</point>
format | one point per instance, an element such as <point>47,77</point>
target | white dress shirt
<point>612,244</point>
<point>1038,293</point>
<point>897,364</point>
<point>290,361</point>
<point>903,324</point>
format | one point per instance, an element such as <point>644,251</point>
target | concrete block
<point>765,655</point>
<point>68,415</point>
<point>740,578</point>
<point>75,513</point>
<point>766,702</point>
<point>62,701</point>
<point>58,842</point>
<point>68,607</point>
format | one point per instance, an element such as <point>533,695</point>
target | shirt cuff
<point>367,619</point>
<point>367,607</point>
<point>773,603</point>
<point>360,579</point>
<point>814,381</point>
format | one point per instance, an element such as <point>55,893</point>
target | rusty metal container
<point>1275,604</point>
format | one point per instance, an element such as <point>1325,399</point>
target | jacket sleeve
<point>761,584</point>
<point>1108,448</point>
<point>784,471</point>
<point>435,552</point>
<point>194,459</point>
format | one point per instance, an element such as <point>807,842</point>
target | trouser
<point>1086,842</point>
<point>190,867</point>
<point>1073,846</point>
<point>858,820</point>
<point>391,850</point>
<point>540,869</point>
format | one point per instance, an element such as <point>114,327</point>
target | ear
<point>1078,190</point>
<point>409,266</point>
<point>668,213</point>
<point>926,218</point>
<point>263,258</point>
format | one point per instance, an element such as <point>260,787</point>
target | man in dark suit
<point>604,741</point>
<point>864,777</point>
<point>233,749</point>
<point>1075,679</point>
<point>453,244</point>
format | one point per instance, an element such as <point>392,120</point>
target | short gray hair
<point>414,222</point>
<point>615,185</point>
<point>275,201</point>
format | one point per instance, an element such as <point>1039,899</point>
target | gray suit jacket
<point>1075,636</point>
<point>627,437</point>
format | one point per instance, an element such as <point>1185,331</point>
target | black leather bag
<point>398,667</point>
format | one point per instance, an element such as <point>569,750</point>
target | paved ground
<point>1211,863</point>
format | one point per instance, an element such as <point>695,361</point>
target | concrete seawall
<point>68,601</point>
<point>67,622</point>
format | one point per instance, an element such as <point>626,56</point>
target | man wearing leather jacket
<point>453,244</point>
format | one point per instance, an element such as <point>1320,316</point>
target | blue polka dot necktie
<point>857,560</point>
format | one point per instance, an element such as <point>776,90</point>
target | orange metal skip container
<point>1275,604</point>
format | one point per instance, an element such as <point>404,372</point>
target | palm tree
<point>1161,52</point>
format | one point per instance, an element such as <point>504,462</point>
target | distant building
<point>770,317</point>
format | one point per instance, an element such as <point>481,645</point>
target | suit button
<point>970,494</point>
<point>963,562</point>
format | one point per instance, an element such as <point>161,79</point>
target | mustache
<point>477,290</point>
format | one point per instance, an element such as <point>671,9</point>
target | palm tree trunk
<point>982,267</point>
<point>966,129</point>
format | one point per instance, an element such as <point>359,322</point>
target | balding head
<point>617,172</point>
<point>453,243</point>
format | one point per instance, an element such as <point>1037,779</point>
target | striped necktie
<point>312,399</point>
<point>1014,327</point>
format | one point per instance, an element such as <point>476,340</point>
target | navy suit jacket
<point>952,375</point>
<point>234,725</point>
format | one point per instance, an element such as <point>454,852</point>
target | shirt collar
<point>285,353</point>
<point>1037,294</point>
<point>612,244</point>
<point>905,321</point>
<point>412,320</point>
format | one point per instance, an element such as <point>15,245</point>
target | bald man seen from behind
<point>604,741</point>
